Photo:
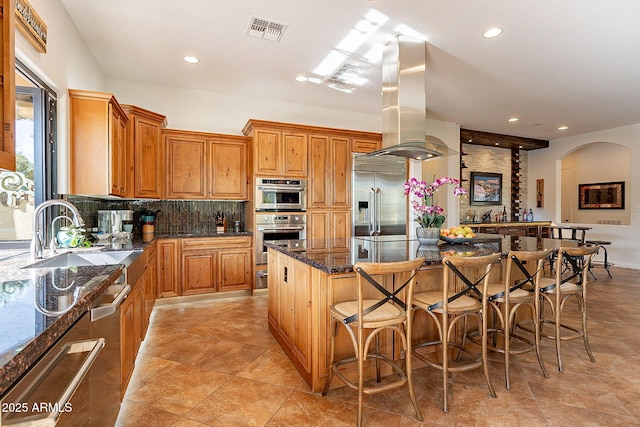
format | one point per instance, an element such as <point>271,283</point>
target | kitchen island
<point>303,285</point>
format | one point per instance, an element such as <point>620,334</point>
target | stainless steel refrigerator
<point>379,208</point>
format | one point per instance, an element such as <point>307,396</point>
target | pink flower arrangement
<point>429,214</point>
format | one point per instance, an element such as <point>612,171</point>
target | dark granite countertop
<point>399,248</point>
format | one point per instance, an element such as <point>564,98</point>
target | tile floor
<point>214,363</point>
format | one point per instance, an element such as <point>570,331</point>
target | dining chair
<point>451,305</point>
<point>366,318</point>
<point>519,290</point>
<point>572,283</point>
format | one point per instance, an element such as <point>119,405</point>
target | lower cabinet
<point>131,330</point>
<point>289,310</point>
<point>135,310</point>
<point>329,229</point>
<point>205,265</point>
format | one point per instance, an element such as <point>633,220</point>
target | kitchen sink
<point>88,259</point>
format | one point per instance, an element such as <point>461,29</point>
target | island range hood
<point>404,109</point>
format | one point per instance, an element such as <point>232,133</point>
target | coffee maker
<point>116,223</point>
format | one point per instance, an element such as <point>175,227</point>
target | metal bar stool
<point>605,264</point>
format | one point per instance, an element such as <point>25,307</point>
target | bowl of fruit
<point>457,234</point>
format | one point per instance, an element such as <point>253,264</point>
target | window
<point>35,178</point>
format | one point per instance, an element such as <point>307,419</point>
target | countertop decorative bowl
<point>456,240</point>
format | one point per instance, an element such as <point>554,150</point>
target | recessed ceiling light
<point>302,78</point>
<point>492,32</point>
<point>563,128</point>
<point>191,59</point>
<point>513,119</point>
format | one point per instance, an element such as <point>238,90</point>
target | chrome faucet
<point>37,242</point>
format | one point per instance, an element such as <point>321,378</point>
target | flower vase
<point>428,236</point>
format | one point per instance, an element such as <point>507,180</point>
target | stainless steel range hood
<point>404,109</point>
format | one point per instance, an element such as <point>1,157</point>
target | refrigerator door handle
<point>379,211</point>
<point>372,211</point>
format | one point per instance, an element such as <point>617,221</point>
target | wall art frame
<point>602,195</point>
<point>485,188</point>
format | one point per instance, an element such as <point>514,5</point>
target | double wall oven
<point>280,217</point>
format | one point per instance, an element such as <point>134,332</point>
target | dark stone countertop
<point>400,248</point>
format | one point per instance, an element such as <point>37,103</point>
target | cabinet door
<point>294,154</point>
<point>7,89</point>
<point>267,153</point>
<point>118,143</point>
<point>186,170</point>
<point>340,170</point>
<point>363,145</point>
<point>235,269</point>
<point>148,158</point>
<point>319,182</point>
<point>127,340</point>
<point>199,272</point>
<point>317,230</point>
<point>229,175</point>
<point>301,336</point>
<point>285,296</point>
<point>340,227</point>
<point>168,279</point>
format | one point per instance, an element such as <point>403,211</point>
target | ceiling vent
<point>266,29</point>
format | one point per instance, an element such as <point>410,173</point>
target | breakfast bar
<point>303,285</point>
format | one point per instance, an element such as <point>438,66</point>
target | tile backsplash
<point>174,216</point>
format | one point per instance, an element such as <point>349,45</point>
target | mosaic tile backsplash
<point>174,216</point>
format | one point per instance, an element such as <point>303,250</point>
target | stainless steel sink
<point>88,259</point>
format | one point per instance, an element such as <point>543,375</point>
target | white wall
<point>547,164</point>
<point>66,64</point>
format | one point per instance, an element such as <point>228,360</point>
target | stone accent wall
<point>481,158</point>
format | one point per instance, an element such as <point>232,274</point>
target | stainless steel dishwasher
<point>77,381</point>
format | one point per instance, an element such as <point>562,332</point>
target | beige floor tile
<point>240,402</point>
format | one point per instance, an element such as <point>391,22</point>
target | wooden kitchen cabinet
<point>145,169</point>
<point>229,175</point>
<point>98,152</point>
<point>7,86</point>
<point>149,285</point>
<point>131,324</point>
<point>168,281</point>
<point>215,264</point>
<point>329,229</point>
<point>366,145</point>
<point>186,169</point>
<point>289,309</point>
<point>279,151</point>
<point>203,165</point>
<point>329,183</point>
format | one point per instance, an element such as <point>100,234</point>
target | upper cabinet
<point>329,183</point>
<point>145,169</point>
<point>366,144</point>
<point>278,150</point>
<point>98,146</point>
<point>7,86</point>
<point>203,165</point>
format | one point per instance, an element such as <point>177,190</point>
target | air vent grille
<point>266,29</point>
<point>607,221</point>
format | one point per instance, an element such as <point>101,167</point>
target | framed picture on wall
<point>604,195</point>
<point>486,188</point>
